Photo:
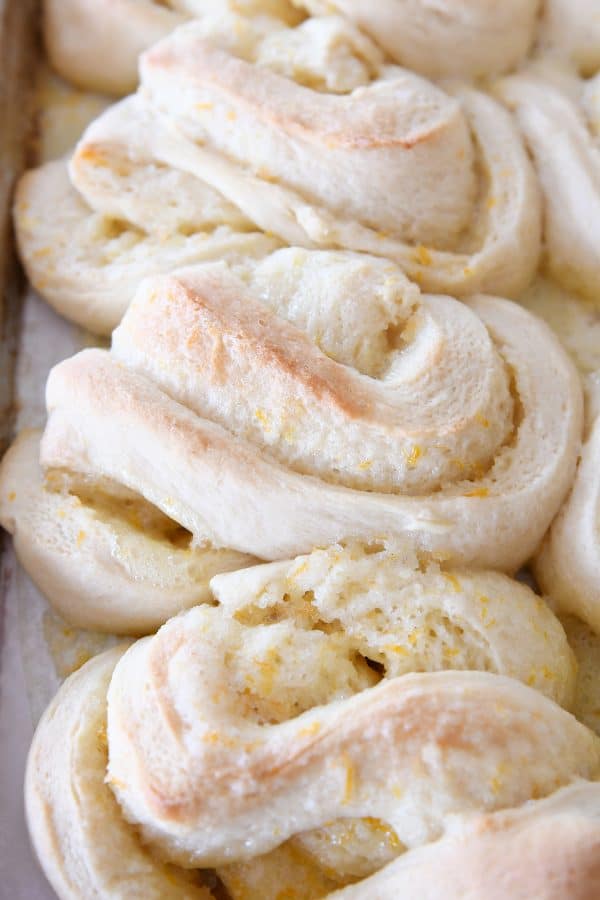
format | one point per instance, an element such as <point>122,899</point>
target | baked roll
<point>568,565</point>
<point>286,692</point>
<point>266,408</point>
<point>558,115</point>
<point>304,132</point>
<point>316,166</point>
<point>270,411</point>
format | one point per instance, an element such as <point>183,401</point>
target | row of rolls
<point>327,436</point>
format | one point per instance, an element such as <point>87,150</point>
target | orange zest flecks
<point>423,256</point>
<point>477,492</point>
<point>412,456</point>
<point>396,648</point>
<point>454,582</point>
<point>310,730</point>
<point>350,779</point>
<point>261,416</point>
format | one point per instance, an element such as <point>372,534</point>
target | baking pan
<point>32,339</point>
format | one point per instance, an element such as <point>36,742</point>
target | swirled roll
<point>271,410</point>
<point>570,30</point>
<point>559,119</point>
<point>304,132</point>
<point>568,565</point>
<point>318,165</point>
<point>294,655</point>
<point>376,753</point>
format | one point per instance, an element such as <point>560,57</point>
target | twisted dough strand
<point>103,558</point>
<point>552,116</point>
<point>288,645</point>
<point>210,779</point>
<point>88,265</point>
<point>225,132</point>
<point>568,565</point>
<point>85,846</point>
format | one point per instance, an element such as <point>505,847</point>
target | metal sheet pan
<point>32,339</point>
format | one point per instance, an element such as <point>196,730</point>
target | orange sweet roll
<point>264,408</point>
<point>568,564</point>
<point>291,704</point>
<point>334,760</point>
<point>267,409</point>
<point>304,132</point>
<point>322,166</point>
<point>559,115</point>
